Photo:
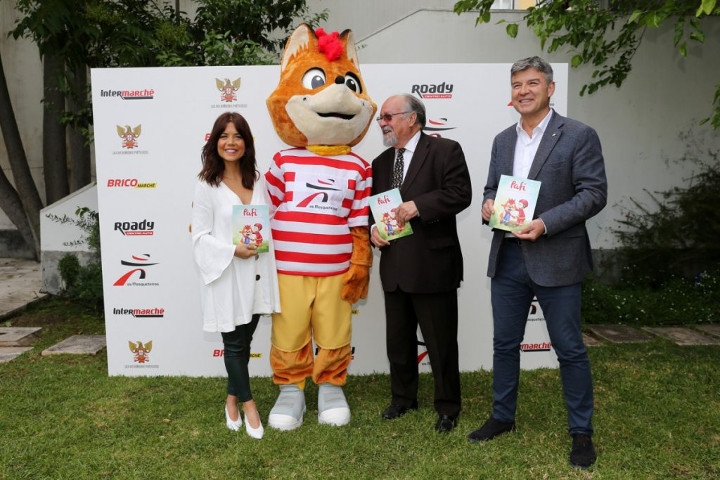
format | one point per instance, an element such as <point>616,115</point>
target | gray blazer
<point>570,165</point>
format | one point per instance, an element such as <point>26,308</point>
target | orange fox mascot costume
<point>320,190</point>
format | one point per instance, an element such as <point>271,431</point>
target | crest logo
<point>227,89</point>
<point>141,353</point>
<point>129,136</point>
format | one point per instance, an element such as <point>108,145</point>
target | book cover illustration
<point>383,207</point>
<point>251,224</point>
<point>514,203</point>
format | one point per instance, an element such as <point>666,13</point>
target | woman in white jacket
<point>238,283</point>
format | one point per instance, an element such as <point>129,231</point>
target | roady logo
<point>141,262</point>
<point>132,229</point>
<point>431,91</point>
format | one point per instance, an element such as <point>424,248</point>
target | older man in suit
<point>549,257</point>
<point>421,273</point>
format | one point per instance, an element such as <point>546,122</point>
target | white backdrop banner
<point>150,125</point>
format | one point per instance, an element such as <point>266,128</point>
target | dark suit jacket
<point>438,181</point>
<point>569,163</point>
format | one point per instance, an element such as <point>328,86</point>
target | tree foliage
<point>75,35</point>
<point>607,34</point>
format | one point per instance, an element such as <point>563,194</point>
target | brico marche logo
<point>138,264</point>
<point>129,183</point>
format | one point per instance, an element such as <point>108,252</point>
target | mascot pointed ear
<point>298,41</point>
<point>350,49</point>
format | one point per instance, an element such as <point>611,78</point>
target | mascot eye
<point>353,83</point>
<point>313,79</point>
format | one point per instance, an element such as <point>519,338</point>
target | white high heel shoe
<point>256,433</point>
<point>232,424</point>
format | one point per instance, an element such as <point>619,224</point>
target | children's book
<point>383,207</point>
<point>251,225</point>
<point>515,203</point>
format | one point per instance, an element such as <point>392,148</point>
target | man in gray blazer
<point>421,273</point>
<point>549,257</point>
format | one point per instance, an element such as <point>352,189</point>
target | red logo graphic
<point>434,126</point>
<point>324,186</point>
<point>137,261</point>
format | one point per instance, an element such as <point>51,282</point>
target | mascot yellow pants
<point>311,310</point>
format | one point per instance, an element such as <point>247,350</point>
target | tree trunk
<point>79,161</point>
<point>22,206</point>
<point>54,141</point>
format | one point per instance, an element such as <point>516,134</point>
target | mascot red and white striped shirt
<point>317,199</point>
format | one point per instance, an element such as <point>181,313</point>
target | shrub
<point>669,257</point>
<point>678,301</point>
<point>83,282</point>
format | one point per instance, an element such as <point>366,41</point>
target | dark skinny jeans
<point>237,356</point>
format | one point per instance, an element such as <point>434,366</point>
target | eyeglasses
<point>388,116</point>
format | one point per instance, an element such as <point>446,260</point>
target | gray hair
<point>415,105</point>
<point>537,63</point>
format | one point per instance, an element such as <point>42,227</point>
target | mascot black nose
<point>340,79</point>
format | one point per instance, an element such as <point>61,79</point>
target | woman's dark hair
<point>213,165</point>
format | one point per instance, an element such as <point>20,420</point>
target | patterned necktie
<point>397,177</point>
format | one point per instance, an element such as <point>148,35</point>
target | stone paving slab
<point>77,344</point>
<point>619,333</point>
<point>683,336</point>
<point>10,353</point>
<point>17,336</point>
<point>710,329</point>
<point>590,341</point>
<point>20,284</point>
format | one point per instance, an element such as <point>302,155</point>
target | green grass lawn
<point>62,417</point>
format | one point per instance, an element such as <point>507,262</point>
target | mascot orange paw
<point>355,283</point>
<point>357,278</point>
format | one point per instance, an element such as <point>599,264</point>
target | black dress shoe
<point>582,454</point>
<point>396,411</point>
<point>445,424</point>
<point>491,429</point>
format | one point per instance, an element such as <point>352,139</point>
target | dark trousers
<point>437,316</point>
<point>512,292</point>
<point>237,356</point>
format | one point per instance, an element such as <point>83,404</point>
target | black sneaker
<point>582,454</point>
<point>491,429</point>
